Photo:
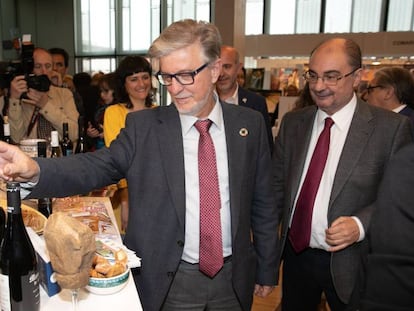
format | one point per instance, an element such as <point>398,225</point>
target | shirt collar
<point>342,118</point>
<point>234,99</point>
<point>216,116</point>
<point>399,108</point>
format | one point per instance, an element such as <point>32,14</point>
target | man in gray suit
<point>157,153</point>
<point>362,140</point>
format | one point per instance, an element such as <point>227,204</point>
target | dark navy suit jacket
<point>408,112</point>
<point>257,102</point>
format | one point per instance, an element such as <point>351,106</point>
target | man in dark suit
<point>392,88</point>
<point>390,266</point>
<point>230,92</point>
<point>362,139</point>
<point>157,153</point>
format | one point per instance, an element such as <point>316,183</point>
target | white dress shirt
<point>399,108</point>
<point>339,132</point>
<point>234,99</point>
<point>192,198</point>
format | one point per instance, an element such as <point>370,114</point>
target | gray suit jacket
<point>374,135</point>
<point>149,153</point>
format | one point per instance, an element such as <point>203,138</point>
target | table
<point>126,299</point>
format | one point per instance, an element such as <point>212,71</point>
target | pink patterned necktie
<point>211,247</point>
<point>300,229</point>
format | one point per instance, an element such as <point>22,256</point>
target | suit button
<point>170,274</point>
<point>180,243</point>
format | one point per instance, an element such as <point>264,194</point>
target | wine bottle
<point>6,130</point>
<point>54,144</point>
<point>44,205</point>
<point>80,146</point>
<point>2,222</point>
<point>19,278</point>
<point>66,144</point>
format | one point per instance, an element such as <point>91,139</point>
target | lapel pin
<point>244,99</point>
<point>243,132</point>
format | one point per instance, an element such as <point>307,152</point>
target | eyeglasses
<point>329,79</point>
<point>184,78</point>
<point>371,87</point>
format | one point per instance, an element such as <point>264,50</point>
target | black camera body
<point>23,66</point>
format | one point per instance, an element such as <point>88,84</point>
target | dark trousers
<point>193,291</point>
<point>305,276</point>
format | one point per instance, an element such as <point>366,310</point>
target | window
<point>339,16</point>
<point>400,15</point>
<point>106,30</point>
<point>254,17</point>
<point>282,17</point>
<point>308,16</point>
<point>366,16</point>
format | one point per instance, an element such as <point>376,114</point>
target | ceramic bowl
<point>108,286</point>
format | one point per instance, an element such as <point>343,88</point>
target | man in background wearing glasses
<point>322,250</point>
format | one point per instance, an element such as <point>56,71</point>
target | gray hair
<point>400,79</point>
<point>184,33</point>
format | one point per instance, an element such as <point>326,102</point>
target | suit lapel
<point>302,136</point>
<point>171,147</point>
<point>358,135</point>
<point>243,98</point>
<point>236,146</point>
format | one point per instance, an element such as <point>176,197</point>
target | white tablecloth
<point>126,299</point>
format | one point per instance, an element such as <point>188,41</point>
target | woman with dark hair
<point>134,77</point>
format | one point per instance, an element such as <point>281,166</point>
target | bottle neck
<point>13,198</point>
<point>6,129</point>
<point>65,131</point>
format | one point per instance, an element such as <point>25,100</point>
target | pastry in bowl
<point>106,277</point>
<point>109,285</point>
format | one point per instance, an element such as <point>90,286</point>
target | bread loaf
<point>71,246</point>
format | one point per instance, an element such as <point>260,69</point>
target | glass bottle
<point>54,144</point>
<point>2,222</point>
<point>80,146</point>
<point>66,144</point>
<point>6,130</point>
<point>19,278</point>
<point>44,205</point>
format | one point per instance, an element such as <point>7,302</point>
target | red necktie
<point>300,229</point>
<point>211,247</point>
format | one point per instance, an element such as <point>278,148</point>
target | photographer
<point>34,113</point>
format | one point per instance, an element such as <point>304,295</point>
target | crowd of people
<point>316,198</point>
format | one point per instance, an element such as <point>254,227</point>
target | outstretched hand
<point>15,165</point>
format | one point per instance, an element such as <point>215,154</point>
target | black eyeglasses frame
<point>324,78</point>
<point>177,76</point>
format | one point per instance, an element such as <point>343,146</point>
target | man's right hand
<point>18,86</point>
<point>15,165</point>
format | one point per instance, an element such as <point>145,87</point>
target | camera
<point>23,66</point>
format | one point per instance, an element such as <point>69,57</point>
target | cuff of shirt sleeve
<point>361,229</point>
<point>26,188</point>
